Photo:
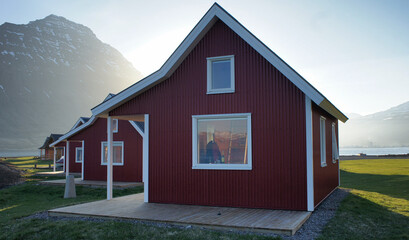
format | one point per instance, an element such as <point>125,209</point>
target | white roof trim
<point>74,131</point>
<point>214,13</point>
<point>77,123</point>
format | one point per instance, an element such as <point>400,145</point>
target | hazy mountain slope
<point>388,128</point>
<point>53,71</point>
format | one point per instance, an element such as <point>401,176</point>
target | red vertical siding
<point>325,178</point>
<point>131,171</point>
<point>278,177</point>
<point>74,166</point>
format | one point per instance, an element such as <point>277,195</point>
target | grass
<point>378,206</point>
<point>26,199</point>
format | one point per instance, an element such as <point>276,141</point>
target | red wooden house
<point>47,152</point>
<point>229,123</point>
<point>87,150</point>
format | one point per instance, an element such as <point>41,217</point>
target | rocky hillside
<point>388,128</point>
<point>53,71</point>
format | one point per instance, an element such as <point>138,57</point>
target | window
<point>335,153</point>
<point>78,154</point>
<point>222,141</point>
<point>118,158</point>
<point>220,74</point>
<point>322,141</point>
<point>115,130</point>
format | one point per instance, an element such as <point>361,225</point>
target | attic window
<point>220,74</point>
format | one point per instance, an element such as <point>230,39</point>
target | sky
<point>356,53</point>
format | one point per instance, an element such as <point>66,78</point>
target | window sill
<point>222,167</point>
<point>323,164</point>
<point>113,164</point>
<point>221,91</point>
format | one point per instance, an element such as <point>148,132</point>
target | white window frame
<point>76,154</point>
<point>196,165</point>
<point>323,151</point>
<point>335,149</point>
<point>210,60</point>
<point>116,125</point>
<point>115,143</point>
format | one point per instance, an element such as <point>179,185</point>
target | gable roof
<point>53,137</point>
<point>216,12</point>
<point>80,121</point>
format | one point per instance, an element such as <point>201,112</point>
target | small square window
<point>118,153</point>
<point>78,155</point>
<point>220,75</point>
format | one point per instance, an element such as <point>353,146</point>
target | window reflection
<point>222,141</point>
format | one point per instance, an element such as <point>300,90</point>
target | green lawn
<point>378,206</point>
<point>26,199</point>
<point>26,164</point>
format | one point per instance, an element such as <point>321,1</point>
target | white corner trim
<point>309,152</point>
<point>214,13</point>
<point>74,131</point>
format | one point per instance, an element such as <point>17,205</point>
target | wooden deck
<point>133,207</point>
<point>80,182</point>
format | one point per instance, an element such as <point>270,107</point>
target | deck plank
<point>133,207</point>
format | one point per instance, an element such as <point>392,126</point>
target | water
<point>374,151</point>
<point>19,153</point>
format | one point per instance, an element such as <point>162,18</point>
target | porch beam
<point>110,130</point>
<point>145,156</point>
<point>82,163</point>
<point>67,160</point>
<point>55,153</point>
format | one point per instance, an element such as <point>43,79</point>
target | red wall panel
<point>131,171</point>
<point>325,178</point>
<point>278,177</point>
<point>74,166</point>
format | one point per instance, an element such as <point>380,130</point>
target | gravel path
<point>310,230</point>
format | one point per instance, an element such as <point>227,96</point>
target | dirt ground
<point>8,175</point>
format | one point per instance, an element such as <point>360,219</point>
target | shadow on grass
<point>359,218</point>
<point>391,185</point>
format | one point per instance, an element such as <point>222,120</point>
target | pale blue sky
<point>355,52</point>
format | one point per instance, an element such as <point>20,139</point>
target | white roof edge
<point>77,123</point>
<point>200,29</point>
<point>74,131</point>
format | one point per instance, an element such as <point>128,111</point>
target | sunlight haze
<point>354,52</point>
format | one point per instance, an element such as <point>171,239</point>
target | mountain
<point>388,128</point>
<point>53,71</point>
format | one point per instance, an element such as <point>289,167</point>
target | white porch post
<point>145,156</point>
<point>309,157</point>
<point>67,160</point>
<point>110,157</point>
<point>55,153</point>
<point>82,164</point>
